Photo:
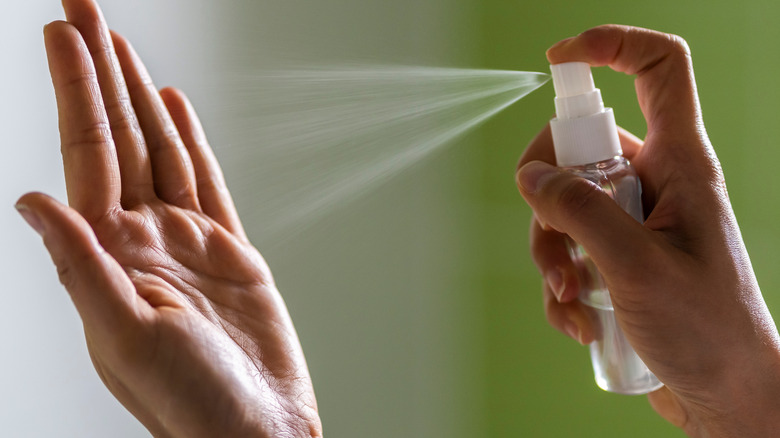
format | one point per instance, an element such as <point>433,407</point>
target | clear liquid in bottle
<point>616,366</point>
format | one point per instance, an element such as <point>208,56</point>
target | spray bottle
<point>587,145</point>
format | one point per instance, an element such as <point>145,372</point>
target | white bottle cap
<point>583,132</point>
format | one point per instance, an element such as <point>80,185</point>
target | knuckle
<point>678,45</point>
<point>143,85</point>
<point>77,81</point>
<point>65,275</point>
<point>212,185</point>
<point>76,267</point>
<point>167,139</point>
<point>183,193</point>
<point>599,32</point>
<point>103,48</point>
<point>98,133</point>
<point>712,172</point>
<point>209,183</point>
<point>547,252</point>
<point>71,267</point>
<point>127,130</point>
<point>120,107</point>
<point>122,119</point>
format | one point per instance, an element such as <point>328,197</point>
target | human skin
<point>182,318</point>
<point>681,283</point>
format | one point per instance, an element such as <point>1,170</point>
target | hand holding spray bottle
<point>587,144</point>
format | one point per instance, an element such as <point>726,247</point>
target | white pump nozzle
<point>584,131</point>
<point>572,78</point>
<point>576,94</point>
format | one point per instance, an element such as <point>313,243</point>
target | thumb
<point>616,242</point>
<point>100,289</point>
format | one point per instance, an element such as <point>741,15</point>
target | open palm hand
<point>182,318</point>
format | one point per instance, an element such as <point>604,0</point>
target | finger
<point>665,83</point>
<point>172,169</point>
<point>101,291</point>
<point>213,194</point>
<point>541,147</point>
<point>616,242</point>
<point>571,319</point>
<point>668,406</point>
<point>133,158</point>
<point>630,143</point>
<point>550,254</point>
<point>88,154</point>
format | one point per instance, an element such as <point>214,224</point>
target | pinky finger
<point>213,194</point>
<point>571,319</point>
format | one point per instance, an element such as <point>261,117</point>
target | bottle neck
<point>601,166</point>
<point>581,105</point>
<point>585,140</point>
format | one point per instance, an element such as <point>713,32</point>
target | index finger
<point>88,153</point>
<point>665,84</point>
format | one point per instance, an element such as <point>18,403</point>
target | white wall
<point>378,291</point>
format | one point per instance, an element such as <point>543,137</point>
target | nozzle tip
<point>572,79</point>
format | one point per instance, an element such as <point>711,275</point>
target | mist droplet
<point>318,137</point>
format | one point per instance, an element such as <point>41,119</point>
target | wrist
<point>748,404</point>
<point>287,426</point>
<point>245,425</point>
<point>282,423</point>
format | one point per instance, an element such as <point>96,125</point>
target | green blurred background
<point>418,306</point>
<point>537,383</point>
<point>429,319</point>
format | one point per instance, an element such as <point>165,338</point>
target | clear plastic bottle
<point>587,145</point>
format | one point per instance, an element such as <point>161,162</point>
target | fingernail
<point>541,222</point>
<point>582,325</point>
<point>32,219</point>
<point>534,175</point>
<point>554,279</point>
<point>573,331</point>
